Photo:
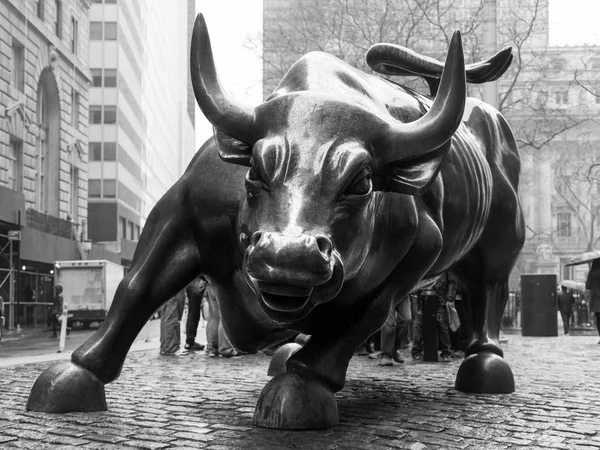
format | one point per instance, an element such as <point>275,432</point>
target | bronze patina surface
<point>312,213</point>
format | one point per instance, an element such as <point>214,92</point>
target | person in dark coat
<point>195,292</point>
<point>56,309</point>
<point>565,306</point>
<point>593,285</point>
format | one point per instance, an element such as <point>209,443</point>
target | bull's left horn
<point>219,108</point>
<point>437,126</point>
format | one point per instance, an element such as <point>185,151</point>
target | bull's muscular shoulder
<point>320,72</point>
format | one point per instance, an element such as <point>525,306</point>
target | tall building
<point>141,130</point>
<point>44,79</point>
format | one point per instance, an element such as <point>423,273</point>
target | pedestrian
<point>394,333</point>
<point>444,290</point>
<point>217,342</point>
<point>565,306</point>
<point>593,285</point>
<point>195,293</point>
<point>170,332</point>
<point>56,309</point>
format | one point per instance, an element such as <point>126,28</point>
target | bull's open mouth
<point>284,298</point>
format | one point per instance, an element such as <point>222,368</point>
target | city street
<point>199,402</point>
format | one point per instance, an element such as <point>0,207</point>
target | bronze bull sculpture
<point>313,213</point>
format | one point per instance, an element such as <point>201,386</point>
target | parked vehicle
<point>88,288</point>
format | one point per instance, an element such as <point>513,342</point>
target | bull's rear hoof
<point>291,401</point>
<point>485,373</point>
<point>280,357</point>
<point>67,387</point>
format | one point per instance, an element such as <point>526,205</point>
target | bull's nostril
<point>256,237</point>
<point>325,245</point>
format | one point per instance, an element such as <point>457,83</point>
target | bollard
<point>63,329</point>
<point>430,333</point>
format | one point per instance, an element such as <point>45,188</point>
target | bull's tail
<point>392,59</point>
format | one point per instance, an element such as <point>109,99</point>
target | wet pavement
<point>200,402</point>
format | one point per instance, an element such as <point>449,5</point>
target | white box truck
<point>88,288</point>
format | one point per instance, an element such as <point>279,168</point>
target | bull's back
<point>483,160</point>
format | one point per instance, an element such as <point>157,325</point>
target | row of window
<point>128,230</point>
<point>106,151</point>
<point>108,189</point>
<point>106,114</point>
<point>40,8</point>
<point>106,78</point>
<point>103,31</point>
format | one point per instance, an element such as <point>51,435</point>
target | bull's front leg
<point>165,261</point>
<point>303,396</point>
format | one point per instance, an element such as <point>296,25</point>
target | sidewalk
<point>200,402</point>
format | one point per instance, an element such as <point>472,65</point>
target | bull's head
<point>316,163</point>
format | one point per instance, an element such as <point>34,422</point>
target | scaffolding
<point>10,274</point>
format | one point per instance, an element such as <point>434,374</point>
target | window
<point>39,6</point>
<point>58,23</point>
<point>110,114</point>
<point>95,114</point>
<point>562,97</point>
<point>110,77</point>
<point>131,231</point>
<point>95,151</point>
<point>95,31</point>
<point>96,77</point>
<point>15,165</point>
<point>123,226</point>
<point>110,151</point>
<point>75,109</point>
<point>18,66</point>
<point>110,1</point>
<point>563,227</point>
<point>94,189</point>
<point>137,232</point>
<point>110,31</point>
<point>74,35</point>
<point>74,194</point>
<point>96,1</point>
<point>110,189</point>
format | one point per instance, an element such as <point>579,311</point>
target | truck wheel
<point>86,325</point>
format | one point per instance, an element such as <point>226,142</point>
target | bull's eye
<point>361,185</point>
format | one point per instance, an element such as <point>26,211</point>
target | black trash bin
<point>539,308</point>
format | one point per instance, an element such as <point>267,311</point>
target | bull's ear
<point>232,150</point>
<point>414,176</point>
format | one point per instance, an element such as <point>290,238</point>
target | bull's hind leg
<point>484,273</point>
<point>165,261</point>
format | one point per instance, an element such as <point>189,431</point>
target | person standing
<point>195,292</point>
<point>593,285</point>
<point>444,290</point>
<point>565,306</point>
<point>56,309</point>
<point>170,332</point>
<point>217,343</point>
<point>392,333</point>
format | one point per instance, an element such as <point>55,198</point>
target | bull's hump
<point>320,72</point>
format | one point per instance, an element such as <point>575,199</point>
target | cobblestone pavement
<point>199,402</point>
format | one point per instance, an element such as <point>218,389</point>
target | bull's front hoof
<point>485,373</point>
<point>291,401</point>
<point>280,357</point>
<point>67,387</point>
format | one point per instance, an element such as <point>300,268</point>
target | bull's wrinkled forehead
<point>307,140</point>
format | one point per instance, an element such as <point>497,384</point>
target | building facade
<point>140,126</point>
<point>44,79</point>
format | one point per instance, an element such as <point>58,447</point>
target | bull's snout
<point>303,261</point>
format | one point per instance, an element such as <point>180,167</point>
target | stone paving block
<point>155,404</point>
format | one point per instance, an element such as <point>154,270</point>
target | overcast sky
<point>232,22</point>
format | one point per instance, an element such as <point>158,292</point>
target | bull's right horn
<point>219,108</point>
